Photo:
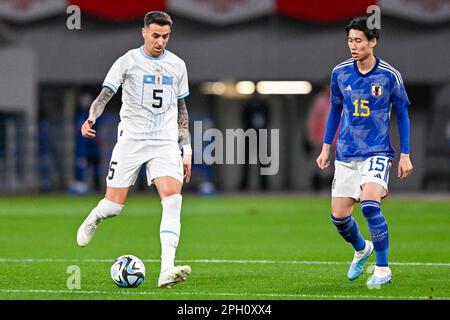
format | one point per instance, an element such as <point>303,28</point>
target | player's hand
<point>322,160</point>
<point>86,128</point>
<point>187,166</point>
<point>405,167</point>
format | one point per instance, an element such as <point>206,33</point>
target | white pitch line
<point>225,294</point>
<point>219,261</point>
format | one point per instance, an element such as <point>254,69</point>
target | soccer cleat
<point>359,259</point>
<point>86,230</point>
<point>173,276</point>
<point>381,276</point>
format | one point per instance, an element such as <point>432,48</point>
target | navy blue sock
<point>348,229</point>
<point>378,230</point>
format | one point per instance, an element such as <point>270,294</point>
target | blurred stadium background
<point>49,75</point>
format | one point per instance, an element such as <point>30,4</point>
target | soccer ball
<point>128,271</point>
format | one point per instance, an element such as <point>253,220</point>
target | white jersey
<point>150,90</point>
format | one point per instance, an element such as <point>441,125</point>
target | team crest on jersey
<point>377,89</point>
<point>158,79</point>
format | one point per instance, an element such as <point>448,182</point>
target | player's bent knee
<point>341,212</point>
<point>167,186</point>
<point>165,193</point>
<point>372,191</point>
<point>340,215</point>
<point>116,195</point>
<point>342,207</point>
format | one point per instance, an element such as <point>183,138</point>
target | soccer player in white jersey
<point>153,125</point>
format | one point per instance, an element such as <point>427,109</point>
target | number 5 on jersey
<point>157,96</point>
<point>112,170</point>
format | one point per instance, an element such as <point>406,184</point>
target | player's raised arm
<point>184,138</point>
<point>95,111</point>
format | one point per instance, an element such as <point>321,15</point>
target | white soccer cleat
<point>381,276</point>
<point>87,230</point>
<point>173,276</point>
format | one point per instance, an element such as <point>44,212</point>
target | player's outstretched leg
<point>380,237</point>
<point>348,229</point>
<point>105,209</point>
<point>169,236</point>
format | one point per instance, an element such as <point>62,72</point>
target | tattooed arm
<point>95,111</point>
<point>184,138</point>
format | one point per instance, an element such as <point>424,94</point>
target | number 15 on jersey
<point>362,108</point>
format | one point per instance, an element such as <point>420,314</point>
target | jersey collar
<point>368,73</point>
<point>150,57</point>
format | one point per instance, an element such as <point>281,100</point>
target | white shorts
<point>349,177</point>
<point>161,158</point>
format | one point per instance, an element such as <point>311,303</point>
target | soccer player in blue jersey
<point>363,91</point>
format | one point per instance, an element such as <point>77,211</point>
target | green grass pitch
<point>238,247</point>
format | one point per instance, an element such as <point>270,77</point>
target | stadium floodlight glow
<point>284,87</point>
<point>217,88</point>
<point>206,87</point>
<point>245,87</point>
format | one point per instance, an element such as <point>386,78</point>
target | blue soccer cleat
<point>359,259</point>
<point>381,276</point>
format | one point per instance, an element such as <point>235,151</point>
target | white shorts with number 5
<point>161,158</point>
<point>349,177</point>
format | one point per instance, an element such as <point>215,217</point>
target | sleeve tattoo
<point>99,104</point>
<point>184,137</point>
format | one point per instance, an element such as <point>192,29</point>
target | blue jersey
<point>363,102</point>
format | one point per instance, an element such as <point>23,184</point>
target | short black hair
<point>360,23</point>
<point>159,17</point>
